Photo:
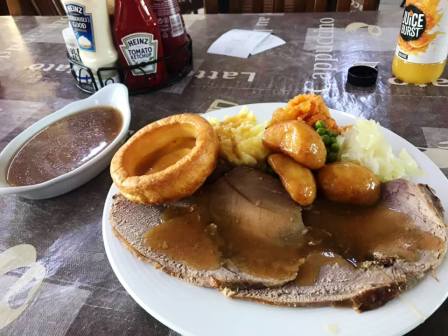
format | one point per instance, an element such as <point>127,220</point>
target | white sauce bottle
<point>89,20</point>
<point>82,76</point>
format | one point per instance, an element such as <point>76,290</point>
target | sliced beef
<point>257,204</point>
<point>254,212</point>
<point>366,287</point>
<point>377,281</point>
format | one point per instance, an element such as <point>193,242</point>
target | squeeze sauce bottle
<point>81,75</point>
<point>174,36</point>
<point>422,46</point>
<point>90,23</point>
<point>137,39</point>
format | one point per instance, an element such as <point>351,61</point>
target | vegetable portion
<point>297,179</point>
<point>240,138</point>
<point>330,140</point>
<point>366,144</point>
<point>347,182</point>
<point>308,108</point>
<point>297,140</point>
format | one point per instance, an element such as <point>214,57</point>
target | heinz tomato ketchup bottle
<point>174,36</point>
<point>137,39</point>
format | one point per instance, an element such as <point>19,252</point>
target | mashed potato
<point>240,138</point>
<point>365,144</point>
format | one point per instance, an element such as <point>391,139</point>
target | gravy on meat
<point>270,242</point>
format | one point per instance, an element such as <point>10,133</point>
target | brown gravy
<point>165,157</point>
<point>335,234</point>
<point>64,146</point>
<point>310,269</point>
<point>190,235</point>
<point>358,233</point>
<point>184,236</point>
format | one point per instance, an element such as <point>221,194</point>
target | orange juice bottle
<point>422,46</point>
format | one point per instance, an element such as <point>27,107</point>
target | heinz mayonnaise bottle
<point>81,75</point>
<point>90,22</point>
<point>422,47</point>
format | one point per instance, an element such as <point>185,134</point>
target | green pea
<point>332,157</point>
<point>321,131</point>
<point>325,139</point>
<point>320,124</point>
<point>333,139</point>
<point>334,147</point>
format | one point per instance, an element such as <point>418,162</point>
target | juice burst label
<point>423,32</point>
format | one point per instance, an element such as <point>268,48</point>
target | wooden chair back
<point>34,7</point>
<point>54,7</point>
<point>190,6</point>
<point>284,6</point>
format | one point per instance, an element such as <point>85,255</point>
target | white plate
<point>197,311</point>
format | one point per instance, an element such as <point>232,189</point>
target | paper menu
<point>242,43</point>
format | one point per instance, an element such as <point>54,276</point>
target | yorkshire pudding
<point>166,160</point>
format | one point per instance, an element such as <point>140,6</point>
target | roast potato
<point>297,180</point>
<point>297,140</point>
<point>348,182</point>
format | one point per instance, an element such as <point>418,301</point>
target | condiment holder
<point>84,76</point>
<point>115,96</point>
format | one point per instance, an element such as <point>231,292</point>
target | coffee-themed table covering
<point>55,278</point>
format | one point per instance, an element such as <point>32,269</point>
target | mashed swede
<point>365,144</point>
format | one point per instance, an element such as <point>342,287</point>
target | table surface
<point>80,294</point>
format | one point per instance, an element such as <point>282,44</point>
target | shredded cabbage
<point>365,144</point>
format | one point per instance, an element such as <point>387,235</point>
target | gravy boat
<point>114,95</point>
